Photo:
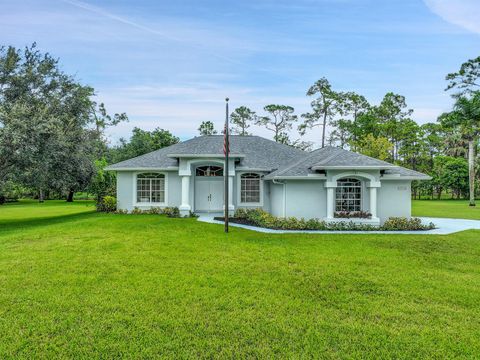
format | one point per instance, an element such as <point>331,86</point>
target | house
<point>282,180</point>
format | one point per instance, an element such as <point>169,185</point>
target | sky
<point>170,64</point>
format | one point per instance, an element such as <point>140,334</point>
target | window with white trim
<point>250,188</point>
<point>348,195</point>
<point>150,188</point>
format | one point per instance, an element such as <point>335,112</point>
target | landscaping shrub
<point>172,212</point>
<point>154,211</point>
<point>107,204</point>
<point>137,211</point>
<point>2,199</point>
<point>261,218</point>
<point>402,223</point>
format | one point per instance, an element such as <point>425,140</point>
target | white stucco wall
<point>303,198</point>
<point>394,199</point>
<point>276,199</point>
<point>306,199</point>
<point>126,188</point>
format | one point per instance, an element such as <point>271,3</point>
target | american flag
<point>226,147</point>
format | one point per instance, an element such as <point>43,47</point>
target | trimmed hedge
<point>169,211</point>
<point>261,218</point>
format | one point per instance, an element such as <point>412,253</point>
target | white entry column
<point>185,206</point>
<point>330,200</point>
<point>373,202</point>
<point>231,208</point>
<point>373,186</point>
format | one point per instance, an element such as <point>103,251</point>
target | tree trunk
<point>324,129</point>
<point>70,196</point>
<point>471,171</point>
<point>41,197</point>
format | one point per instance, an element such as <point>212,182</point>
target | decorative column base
<point>185,210</point>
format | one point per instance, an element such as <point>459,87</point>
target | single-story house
<point>278,178</point>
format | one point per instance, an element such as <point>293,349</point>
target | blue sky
<point>170,64</point>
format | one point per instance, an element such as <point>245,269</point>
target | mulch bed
<point>235,220</point>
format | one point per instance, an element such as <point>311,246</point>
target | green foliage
<point>169,211</point>
<point>280,119</point>
<point>402,223</point>
<point>207,128</point>
<point>467,79</point>
<point>261,218</point>
<point>451,173</point>
<point>51,130</point>
<point>327,104</point>
<point>104,182</point>
<point>379,148</point>
<point>241,118</point>
<point>172,212</point>
<point>107,204</point>
<point>141,142</point>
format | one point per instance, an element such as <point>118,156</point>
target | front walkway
<point>444,227</point>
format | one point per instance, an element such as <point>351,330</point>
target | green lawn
<point>458,209</point>
<point>75,283</point>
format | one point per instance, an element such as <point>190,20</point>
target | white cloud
<point>463,13</point>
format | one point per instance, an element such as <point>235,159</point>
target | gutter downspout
<point>284,195</point>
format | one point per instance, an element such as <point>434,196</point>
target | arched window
<point>250,188</point>
<point>150,188</point>
<point>348,195</point>
<point>209,171</point>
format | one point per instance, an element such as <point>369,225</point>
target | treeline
<point>444,149</point>
<point>53,144</point>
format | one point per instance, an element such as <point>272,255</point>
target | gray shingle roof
<point>338,157</point>
<point>333,157</point>
<point>258,153</point>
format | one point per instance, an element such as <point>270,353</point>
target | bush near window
<point>107,204</point>
<point>169,211</point>
<point>261,218</point>
<point>352,214</point>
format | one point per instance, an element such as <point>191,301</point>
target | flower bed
<point>352,215</point>
<point>261,218</point>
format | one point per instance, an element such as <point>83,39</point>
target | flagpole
<point>225,170</point>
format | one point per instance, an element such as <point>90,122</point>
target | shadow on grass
<point>25,224</point>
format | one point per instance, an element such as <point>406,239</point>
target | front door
<point>209,189</point>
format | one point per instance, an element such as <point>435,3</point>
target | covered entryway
<point>209,185</point>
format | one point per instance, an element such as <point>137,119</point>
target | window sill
<point>257,204</point>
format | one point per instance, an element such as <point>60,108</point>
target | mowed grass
<point>78,284</point>
<point>457,209</point>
